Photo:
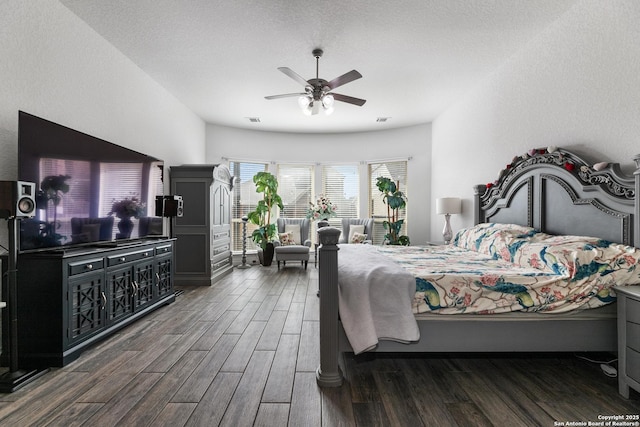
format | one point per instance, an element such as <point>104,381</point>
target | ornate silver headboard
<point>557,192</point>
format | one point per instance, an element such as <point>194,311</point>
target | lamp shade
<point>448,205</point>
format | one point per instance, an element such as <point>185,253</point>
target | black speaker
<point>169,206</point>
<point>159,205</point>
<point>17,199</point>
<point>179,206</point>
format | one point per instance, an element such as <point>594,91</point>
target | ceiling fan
<point>318,92</point>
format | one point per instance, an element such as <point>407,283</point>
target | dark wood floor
<point>244,352</point>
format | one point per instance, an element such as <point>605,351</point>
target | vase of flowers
<point>323,209</point>
<point>125,209</point>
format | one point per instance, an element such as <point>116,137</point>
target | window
<point>295,187</point>
<point>245,200</point>
<point>341,184</point>
<point>109,181</point>
<point>298,186</point>
<point>129,184</point>
<point>72,204</point>
<point>397,171</point>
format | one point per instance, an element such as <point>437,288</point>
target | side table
<point>628,338</point>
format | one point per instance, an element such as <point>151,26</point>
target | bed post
<point>478,214</point>
<point>328,373</point>
<point>636,206</point>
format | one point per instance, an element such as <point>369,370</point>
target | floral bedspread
<point>495,268</point>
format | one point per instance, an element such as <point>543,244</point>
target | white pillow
<point>294,229</point>
<point>355,229</point>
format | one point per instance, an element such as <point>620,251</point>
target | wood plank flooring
<point>244,353</point>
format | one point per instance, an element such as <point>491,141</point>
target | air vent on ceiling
<point>382,119</point>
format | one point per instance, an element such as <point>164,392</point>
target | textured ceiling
<point>220,58</point>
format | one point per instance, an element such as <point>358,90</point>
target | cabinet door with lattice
<point>120,289</point>
<point>164,284</point>
<point>87,306</point>
<point>143,284</point>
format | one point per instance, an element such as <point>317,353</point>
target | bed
<point>551,191</point>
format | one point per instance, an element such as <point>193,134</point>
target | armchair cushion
<point>358,238</point>
<point>286,239</point>
<point>294,231</point>
<point>356,225</point>
<point>356,229</point>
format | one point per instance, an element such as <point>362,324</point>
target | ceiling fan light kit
<point>318,92</point>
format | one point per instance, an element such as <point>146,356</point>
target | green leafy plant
<point>54,186</point>
<point>395,200</point>
<point>52,189</point>
<point>267,184</point>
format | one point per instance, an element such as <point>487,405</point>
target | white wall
<point>576,86</point>
<point>413,142</point>
<point>54,66</point>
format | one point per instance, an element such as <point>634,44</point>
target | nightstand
<point>628,339</point>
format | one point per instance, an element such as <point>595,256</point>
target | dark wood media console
<point>72,298</point>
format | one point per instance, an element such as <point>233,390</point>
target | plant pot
<point>125,226</point>
<point>266,256</point>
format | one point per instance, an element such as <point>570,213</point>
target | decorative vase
<point>125,226</point>
<point>323,223</point>
<point>266,256</point>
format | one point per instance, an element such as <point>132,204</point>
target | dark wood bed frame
<point>556,192</point>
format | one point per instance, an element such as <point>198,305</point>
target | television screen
<point>88,191</point>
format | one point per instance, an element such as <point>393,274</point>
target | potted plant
<point>395,200</point>
<point>52,189</point>
<point>267,184</point>
<point>125,209</point>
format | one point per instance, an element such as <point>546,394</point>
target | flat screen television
<point>88,191</point>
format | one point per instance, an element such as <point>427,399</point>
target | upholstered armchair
<point>356,225</point>
<point>294,243</point>
<point>150,226</point>
<point>85,230</point>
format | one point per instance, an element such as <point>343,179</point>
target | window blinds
<point>295,187</point>
<point>245,200</point>
<point>341,184</point>
<point>397,171</point>
<point>69,206</point>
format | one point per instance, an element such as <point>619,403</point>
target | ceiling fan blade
<point>295,76</point>
<point>284,95</point>
<point>344,79</point>
<point>350,99</point>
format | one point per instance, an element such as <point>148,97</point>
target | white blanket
<point>375,297</point>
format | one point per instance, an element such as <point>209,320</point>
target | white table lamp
<point>448,206</point>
